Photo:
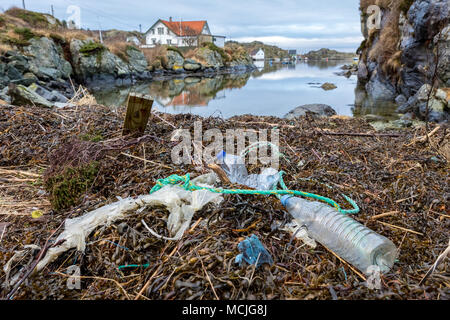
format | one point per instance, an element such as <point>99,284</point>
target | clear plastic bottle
<point>346,237</point>
<point>234,167</point>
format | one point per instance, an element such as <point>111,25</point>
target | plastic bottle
<point>234,167</point>
<point>346,237</point>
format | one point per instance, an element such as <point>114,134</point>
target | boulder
<point>328,86</point>
<point>322,110</point>
<point>52,96</point>
<point>22,96</point>
<point>380,89</point>
<point>19,62</point>
<point>94,63</point>
<point>47,59</point>
<point>13,73</point>
<point>208,58</point>
<point>443,41</point>
<point>437,104</point>
<point>426,15</point>
<point>175,60</point>
<point>28,79</point>
<point>191,65</point>
<point>136,60</point>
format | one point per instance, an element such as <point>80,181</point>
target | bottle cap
<point>284,199</point>
<point>222,154</point>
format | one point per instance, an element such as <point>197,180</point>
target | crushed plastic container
<point>235,169</point>
<point>348,238</point>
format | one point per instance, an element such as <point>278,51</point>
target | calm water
<point>273,90</point>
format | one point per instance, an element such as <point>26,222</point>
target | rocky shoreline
<point>410,55</point>
<point>48,70</point>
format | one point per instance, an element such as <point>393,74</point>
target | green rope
<point>134,266</point>
<point>185,182</point>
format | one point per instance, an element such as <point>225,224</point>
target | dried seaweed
<point>399,174</point>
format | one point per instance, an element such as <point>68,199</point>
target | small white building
<point>134,40</point>
<point>258,55</point>
<point>181,34</point>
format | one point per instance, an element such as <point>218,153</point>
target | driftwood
<point>138,112</point>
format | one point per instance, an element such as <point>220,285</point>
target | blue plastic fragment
<point>253,252</point>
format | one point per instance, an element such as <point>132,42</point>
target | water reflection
<point>271,90</point>
<point>365,105</point>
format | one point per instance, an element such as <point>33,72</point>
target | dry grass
<point>393,64</point>
<point>119,48</point>
<point>4,48</point>
<point>83,97</point>
<point>156,57</point>
<point>364,4</point>
<point>387,45</point>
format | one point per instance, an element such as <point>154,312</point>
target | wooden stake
<point>138,112</point>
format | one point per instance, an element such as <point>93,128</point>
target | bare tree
<point>189,35</point>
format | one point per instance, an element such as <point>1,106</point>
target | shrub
<point>25,33</point>
<point>15,42</point>
<point>92,48</point>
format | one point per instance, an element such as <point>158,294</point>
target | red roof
<point>185,28</point>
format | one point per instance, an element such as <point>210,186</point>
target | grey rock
<point>318,109</point>
<point>4,95</point>
<point>102,67</point>
<point>174,60</point>
<point>380,89</point>
<point>22,96</point>
<point>373,117</point>
<point>28,79</point>
<point>47,59</point>
<point>21,65</point>
<point>13,73</point>
<point>401,99</point>
<point>192,65</point>
<point>426,15</point>
<point>52,96</point>
<point>443,41</point>
<point>136,60</point>
<point>211,59</point>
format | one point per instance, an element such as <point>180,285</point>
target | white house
<point>258,55</point>
<point>181,34</point>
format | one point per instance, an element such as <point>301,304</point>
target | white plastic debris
<point>180,203</point>
<point>300,233</point>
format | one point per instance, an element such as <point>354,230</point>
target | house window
<point>161,31</point>
<point>169,41</point>
<point>154,40</point>
<point>152,31</point>
<point>168,31</point>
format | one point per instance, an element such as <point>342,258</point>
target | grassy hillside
<point>271,52</point>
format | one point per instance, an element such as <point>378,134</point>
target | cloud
<point>287,23</point>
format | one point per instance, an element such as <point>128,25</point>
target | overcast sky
<point>290,24</point>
